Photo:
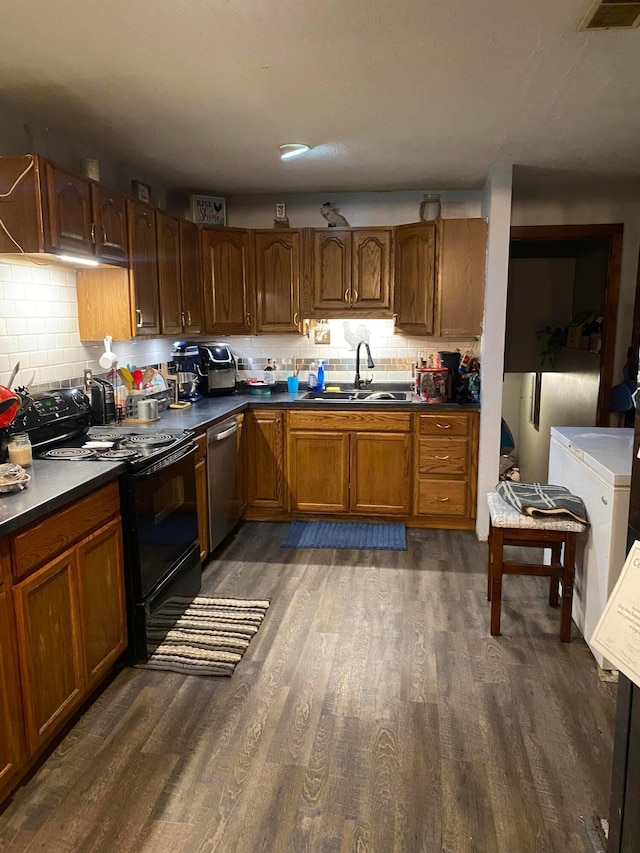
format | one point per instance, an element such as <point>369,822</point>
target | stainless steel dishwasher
<point>222,456</point>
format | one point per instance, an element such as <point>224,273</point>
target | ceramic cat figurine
<point>330,213</point>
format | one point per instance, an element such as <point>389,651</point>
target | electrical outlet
<point>88,375</point>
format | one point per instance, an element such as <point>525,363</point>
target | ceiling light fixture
<point>73,259</point>
<point>293,149</point>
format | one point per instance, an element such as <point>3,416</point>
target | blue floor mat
<point>346,534</point>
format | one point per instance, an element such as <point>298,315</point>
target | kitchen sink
<point>359,396</point>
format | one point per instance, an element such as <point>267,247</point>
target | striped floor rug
<point>207,638</point>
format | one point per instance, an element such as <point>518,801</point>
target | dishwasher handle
<point>220,436</point>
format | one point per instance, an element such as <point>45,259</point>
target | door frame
<point>613,234</point>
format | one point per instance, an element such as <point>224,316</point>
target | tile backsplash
<point>39,328</point>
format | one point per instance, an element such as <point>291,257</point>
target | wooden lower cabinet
<point>49,645</point>
<point>318,471</point>
<point>380,479</point>
<point>265,448</point>
<point>103,615</point>
<point>63,623</point>
<point>202,495</point>
<point>11,726</point>
<point>345,469</point>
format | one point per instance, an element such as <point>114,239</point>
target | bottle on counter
<point>270,373</point>
<point>320,376</point>
<point>20,450</point>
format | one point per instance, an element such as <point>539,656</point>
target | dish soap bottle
<point>269,373</point>
<point>320,382</point>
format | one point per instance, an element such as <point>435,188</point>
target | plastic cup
<point>292,384</point>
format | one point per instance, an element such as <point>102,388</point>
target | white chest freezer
<point>595,464</point>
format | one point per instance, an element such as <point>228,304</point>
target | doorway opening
<point>562,307</point>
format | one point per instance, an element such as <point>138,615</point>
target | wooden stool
<point>507,526</point>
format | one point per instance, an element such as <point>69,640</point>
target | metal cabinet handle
<point>188,318</point>
<point>440,457</point>
<point>346,296</point>
<point>355,296</point>
<point>138,318</point>
<point>443,426</point>
<point>104,234</point>
<point>441,500</point>
<point>93,232</point>
<point>295,318</point>
<point>247,319</point>
<point>182,319</point>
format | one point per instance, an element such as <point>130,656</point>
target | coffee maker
<point>451,360</point>
<point>212,363</point>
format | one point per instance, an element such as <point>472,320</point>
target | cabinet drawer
<point>42,541</point>
<point>351,420</point>
<point>441,497</point>
<point>445,424</point>
<point>443,456</point>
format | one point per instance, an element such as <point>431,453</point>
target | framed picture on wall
<point>141,191</point>
<point>208,210</point>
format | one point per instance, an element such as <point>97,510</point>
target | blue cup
<point>292,384</point>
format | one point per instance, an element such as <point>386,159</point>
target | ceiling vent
<point>612,14</point>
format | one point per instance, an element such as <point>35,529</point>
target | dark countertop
<point>54,484</point>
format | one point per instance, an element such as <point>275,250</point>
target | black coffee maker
<point>451,360</point>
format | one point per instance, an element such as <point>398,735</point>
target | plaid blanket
<point>542,499</point>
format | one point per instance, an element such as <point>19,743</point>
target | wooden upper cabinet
<point>351,272</point>
<point>277,261</point>
<point>69,207</point>
<point>225,263</point>
<point>191,277</point>
<point>415,278</point>
<point>331,270</point>
<point>169,274</point>
<point>110,225</point>
<point>143,267</point>
<point>371,270</point>
<point>461,277</point>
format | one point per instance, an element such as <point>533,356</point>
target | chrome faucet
<point>358,383</point>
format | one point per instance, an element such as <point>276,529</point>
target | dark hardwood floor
<point>372,712</point>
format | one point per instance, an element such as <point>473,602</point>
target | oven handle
<point>178,456</point>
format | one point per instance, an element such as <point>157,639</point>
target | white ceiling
<point>392,94</point>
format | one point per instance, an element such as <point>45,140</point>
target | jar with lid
<point>20,452</point>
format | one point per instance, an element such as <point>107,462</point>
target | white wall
<point>496,205</point>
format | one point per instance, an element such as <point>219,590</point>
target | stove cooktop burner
<point>105,436</point>
<point>120,454</point>
<point>68,453</point>
<point>153,439</point>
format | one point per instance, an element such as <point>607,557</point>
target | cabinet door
<point>380,473</point>
<point>168,233</point>
<point>226,289</point>
<point>11,736</point>
<point>191,277</point>
<point>331,273</point>
<point>143,267</point>
<point>241,469</point>
<point>103,616</point>
<point>371,271</point>
<point>414,284</point>
<point>202,496</point>
<point>69,208</point>
<point>51,670</point>
<point>110,224</point>
<point>277,276</point>
<point>265,445</point>
<point>461,276</point>
<point>318,468</point>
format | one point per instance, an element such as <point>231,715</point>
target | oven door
<point>165,518</point>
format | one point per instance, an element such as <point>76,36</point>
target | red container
<point>432,384</point>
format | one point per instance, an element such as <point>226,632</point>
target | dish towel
<point>541,500</point>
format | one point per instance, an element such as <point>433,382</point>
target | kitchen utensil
<point>108,359</point>
<point>125,374</point>
<point>148,375</point>
<point>137,379</point>
<point>14,373</point>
